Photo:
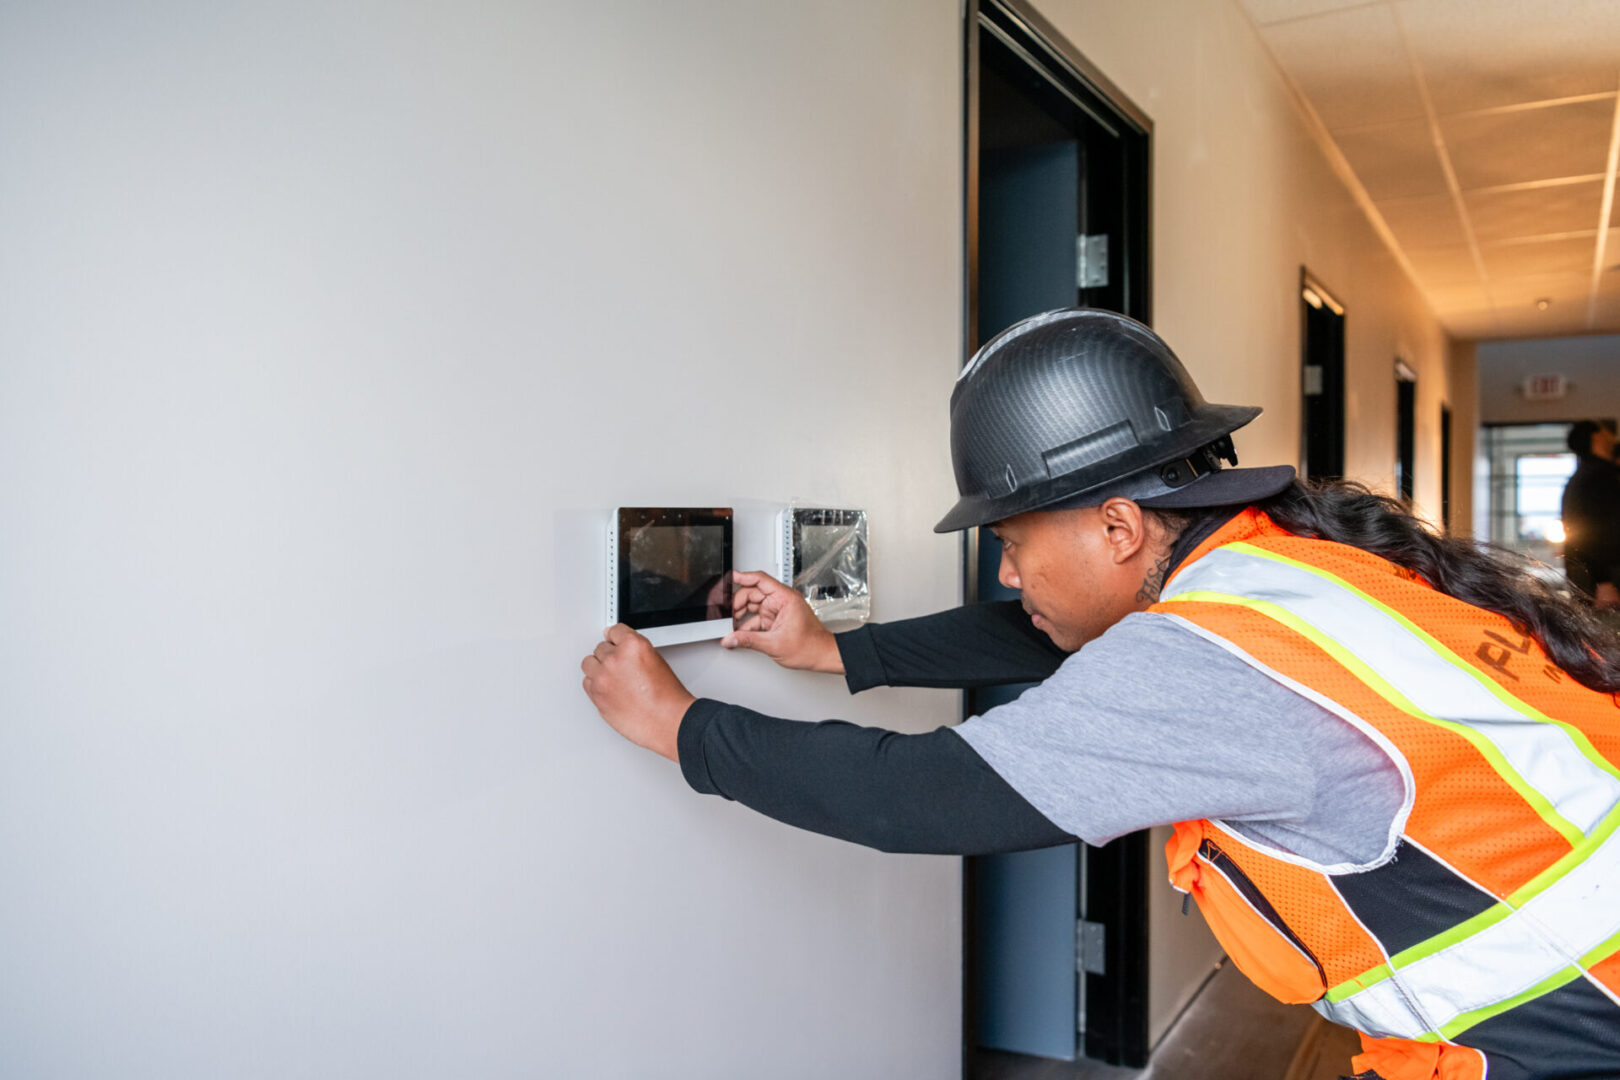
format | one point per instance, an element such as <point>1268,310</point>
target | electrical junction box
<point>822,553</point>
<point>669,572</point>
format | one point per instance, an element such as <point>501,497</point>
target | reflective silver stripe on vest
<point>1542,754</point>
<point>1547,936</point>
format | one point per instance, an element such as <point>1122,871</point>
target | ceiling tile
<point>1350,65</point>
<point>1530,323</point>
<point>1519,316</point>
<point>1529,144</point>
<point>1478,55</point>
<point>1443,267</point>
<point>1471,326</point>
<point>1460,302</point>
<point>1515,302</point>
<point>1459,298</point>
<point>1393,161</point>
<point>1270,11</point>
<point>1506,262</point>
<point>1611,260</point>
<point>1560,208</point>
<point>1425,221</point>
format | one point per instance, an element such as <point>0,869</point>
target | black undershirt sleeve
<point>976,645</point>
<point>928,794</point>
<point>924,794</point>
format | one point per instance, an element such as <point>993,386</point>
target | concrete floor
<point>1231,1031</point>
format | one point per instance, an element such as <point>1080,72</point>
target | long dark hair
<point>1488,577</point>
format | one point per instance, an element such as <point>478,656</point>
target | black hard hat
<point>1075,406</point>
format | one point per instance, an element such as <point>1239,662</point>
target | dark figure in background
<point>1591,508</point>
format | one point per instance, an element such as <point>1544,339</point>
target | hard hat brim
<point>1214,421</point>
<point>1228,487</point>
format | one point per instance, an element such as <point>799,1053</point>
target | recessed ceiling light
<point>1543,304</point>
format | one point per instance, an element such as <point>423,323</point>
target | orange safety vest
<point>1485,940</point>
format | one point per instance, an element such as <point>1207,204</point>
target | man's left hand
<point>635,691</point>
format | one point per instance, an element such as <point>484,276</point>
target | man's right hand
<point>776,620</point>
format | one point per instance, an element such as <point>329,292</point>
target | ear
<point>1125,528</point>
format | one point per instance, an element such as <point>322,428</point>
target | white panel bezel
<point>678,634</point>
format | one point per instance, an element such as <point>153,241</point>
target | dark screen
<point>674,566</point>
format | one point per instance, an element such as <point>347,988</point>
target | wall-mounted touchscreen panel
<point>670,572</point>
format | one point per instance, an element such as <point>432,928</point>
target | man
<point>1591,512</point>
<point>1391,760</point>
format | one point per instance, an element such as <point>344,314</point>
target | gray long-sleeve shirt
<point>1151,724</point>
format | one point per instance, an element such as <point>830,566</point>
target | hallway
<point>334,334</point>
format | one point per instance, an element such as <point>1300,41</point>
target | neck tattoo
<point>1154,581</point>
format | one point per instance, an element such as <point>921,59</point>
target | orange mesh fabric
<point>1464,810</point>
<point>1261,952</point>
<point>1245,526</point>
<point>1269,959</point>
<point>1304,899</point>
<point>1607,972</point>
<point>1399,1059</point>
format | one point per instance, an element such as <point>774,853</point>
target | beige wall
<point>1242,198</point>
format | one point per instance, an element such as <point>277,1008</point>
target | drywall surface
<point>1242,198</point>
<point>1590,364</point>
<point>331,331</point>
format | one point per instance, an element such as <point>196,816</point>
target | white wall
<point>1242,198</point>
<point>329,333</point>
<point>1591,364</point>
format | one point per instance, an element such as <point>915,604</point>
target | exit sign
<point>1545,387</point>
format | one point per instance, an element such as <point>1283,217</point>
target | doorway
<point>1055,941</point>
<point>1446,462</point>
<point>1405,431</point>
<point>1321,432</point>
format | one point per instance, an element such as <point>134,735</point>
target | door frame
<point>1314,295</point>
<point>1447,463</point>
<point>1114,878</point>
<point>1406,430</point>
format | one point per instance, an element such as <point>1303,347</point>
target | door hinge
<point>1090,947</point>
<point>1313,380</point>
<point>1091,258</point>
